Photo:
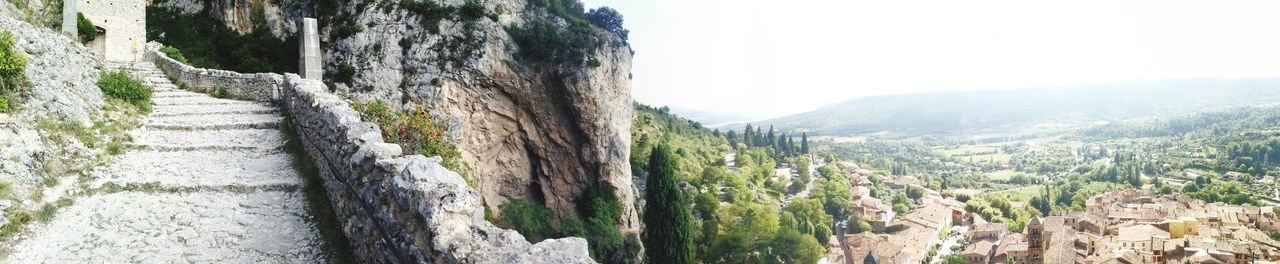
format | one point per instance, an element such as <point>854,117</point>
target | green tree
<point>804,143</point>
<point>793,247</point>
<point>668,237</point>
<point>608,19</point>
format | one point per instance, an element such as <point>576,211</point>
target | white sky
<point>769,58</point>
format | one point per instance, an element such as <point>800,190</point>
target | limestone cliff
<point>542,132</point>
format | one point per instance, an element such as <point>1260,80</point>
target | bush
<point>415,132</point>
<point>13,67</point>
<point>174,54</point>
<point>345,74</point>
<point>88,32</point>
<point>121,85</point>
<point>610,20</point>
<point>542,42</point>
<point>532,220</point>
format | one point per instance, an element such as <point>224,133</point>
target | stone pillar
<point>69,17</point>
<point>309,59</point>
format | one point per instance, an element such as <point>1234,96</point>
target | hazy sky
<point>781,57</point>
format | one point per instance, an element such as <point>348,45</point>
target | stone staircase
<point>205,180</point>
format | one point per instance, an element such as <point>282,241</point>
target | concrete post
<point>309,59</point>
<point>69,17</point>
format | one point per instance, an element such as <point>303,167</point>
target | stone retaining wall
<point>263,87</point>
<point>394,208</point>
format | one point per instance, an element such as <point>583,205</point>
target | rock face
<point>541,132</point>
<point>63,74</point>
<point>63,77</point>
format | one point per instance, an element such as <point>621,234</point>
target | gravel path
<point>205,180</point>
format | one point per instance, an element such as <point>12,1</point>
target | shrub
<point>88,32</point>
<point>415,132</point>
<point>345,74</point>
<point>429,13</point>
<point>610,20</point>
<point>121,85</point>
<point>13,67</point>
<point>174,54</point>
<point>530,219</point>
<point>542,42</point>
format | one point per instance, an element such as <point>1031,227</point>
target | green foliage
<point>257,51</point>
<point>603,211</point>
<point>610,20</point>
<point>415,131</point>
<point>46,212</point>
<point>530,219</point>
<point>174,54</point>
<point>121,85</point>
<point>794,247</point>
<point>345,74</point>
<point>543,42</point>
<point>85,28</point>
<point>13,67</point>
<point>668,232</point>
<point>810,219</point>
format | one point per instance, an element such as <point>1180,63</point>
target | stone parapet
<point>263,87</point>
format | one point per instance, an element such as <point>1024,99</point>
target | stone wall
<point>263,87</point>
<point>125,22</point>
<point>393,208</point>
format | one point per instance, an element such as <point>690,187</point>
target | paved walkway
<point>206,180</point>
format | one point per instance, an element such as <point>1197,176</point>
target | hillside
<point>996,111</point>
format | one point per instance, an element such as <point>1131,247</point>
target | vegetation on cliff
<point>415,132</point>
<point>12,71</point>
<point>208,44</point>
<point>542,41</point>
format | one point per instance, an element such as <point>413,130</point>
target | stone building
<point>124,28</point>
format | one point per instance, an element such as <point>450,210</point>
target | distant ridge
<point>946,112</point>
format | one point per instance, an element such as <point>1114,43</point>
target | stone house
<point>123,24</point>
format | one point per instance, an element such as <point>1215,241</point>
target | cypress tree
<point>668,236</point>
<point>804,143</point>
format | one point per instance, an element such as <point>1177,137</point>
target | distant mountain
<point>947,112</point>
<point>711,119</point>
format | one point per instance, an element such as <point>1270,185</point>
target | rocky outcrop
<point>62,73</point>
<point>540,132</point>
<point>63,87</point>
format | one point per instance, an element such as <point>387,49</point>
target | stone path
<point>206,180</point>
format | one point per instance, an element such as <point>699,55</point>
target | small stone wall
<point>263,87</point>
<point>393,208</point>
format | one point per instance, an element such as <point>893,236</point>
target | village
<point>1119,226</point>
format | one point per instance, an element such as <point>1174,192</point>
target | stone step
<point>196,227</point>
<point>196,168</point>
<point>198,101</point>
<point>174,110</point>
<point>214,121</point>
<point>238,139</point>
